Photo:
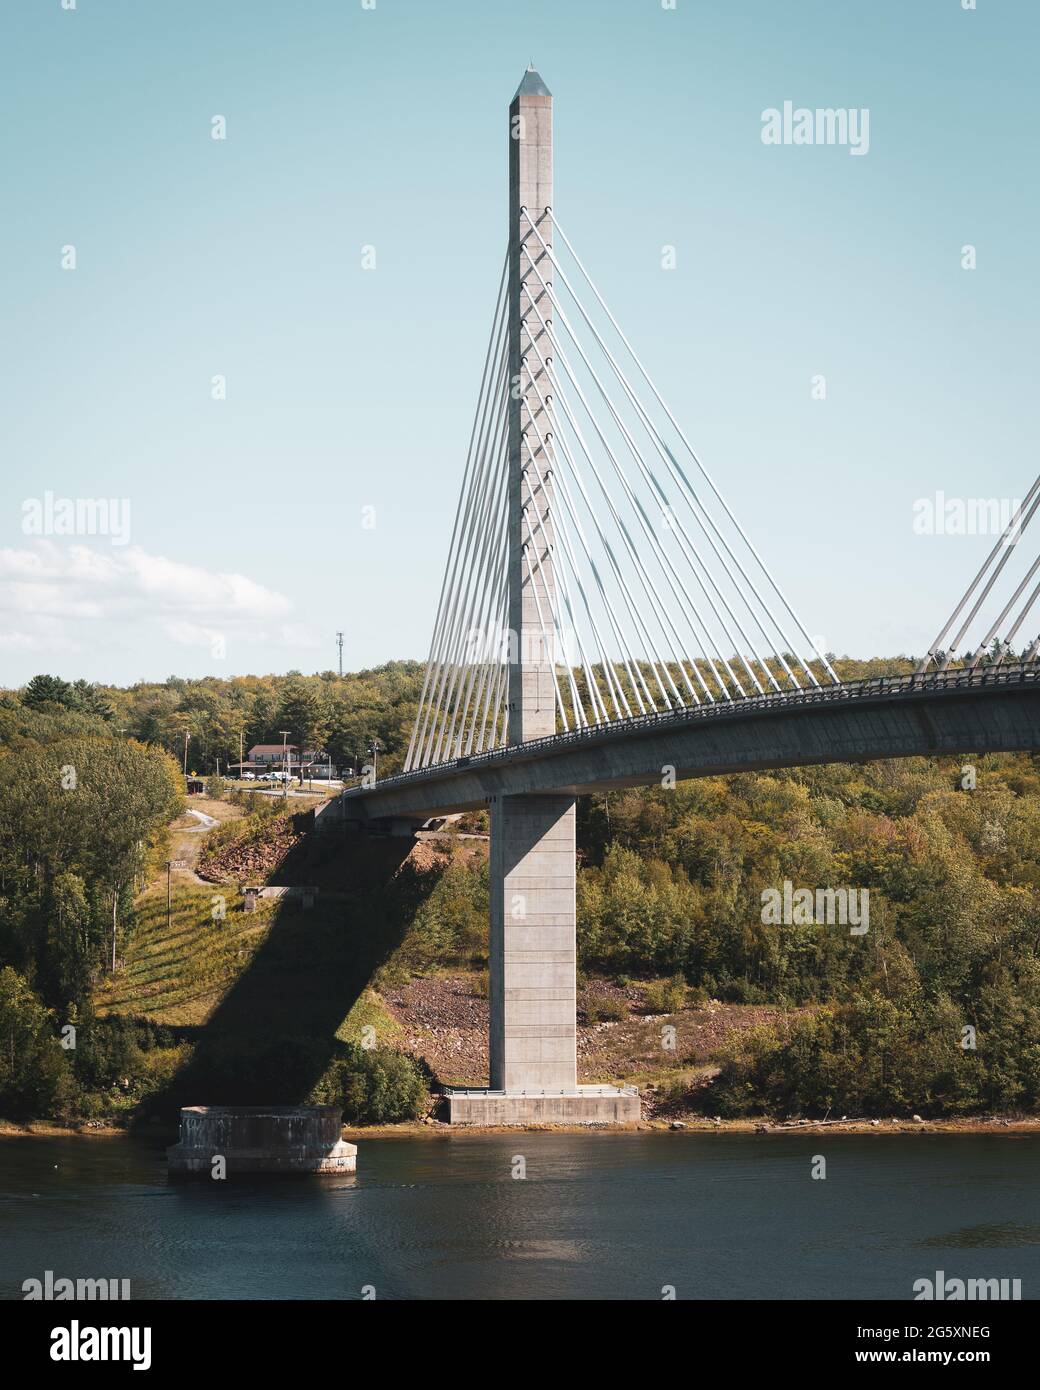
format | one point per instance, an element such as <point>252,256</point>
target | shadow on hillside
<point>360,867</point>
<point>274,1032</point>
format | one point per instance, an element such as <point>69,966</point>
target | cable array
<point>661,601</point>
<point>462,703</point>
<point>999,636</point>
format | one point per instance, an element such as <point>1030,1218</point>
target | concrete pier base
<point>585,1105</point>
<point>261,1139</point>
<point>531,988</point>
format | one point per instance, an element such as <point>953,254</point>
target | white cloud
<point>51,593</point>
<point>20,642</point>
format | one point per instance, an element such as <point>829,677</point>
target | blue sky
<point>350,389</point>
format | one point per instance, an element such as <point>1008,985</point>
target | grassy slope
<point>291,965</point>
<point>253,981</point>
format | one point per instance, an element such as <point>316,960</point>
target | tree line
<point>83,816</point>
<point>338,715</point>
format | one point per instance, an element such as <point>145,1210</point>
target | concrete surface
<point>585,1105</point>
<point>532,584</point>
<point>929,723</point>
<point>531,961</point>
<point>261,1139</point>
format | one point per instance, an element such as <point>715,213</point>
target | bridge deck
<point>993,710</point>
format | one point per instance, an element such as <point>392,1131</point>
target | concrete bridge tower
<point>532,854</point>
<point>532,588</point>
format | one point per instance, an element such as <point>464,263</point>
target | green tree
<point>90,699</point>
<point>34,1074</point>
<point>374,1087</point>
<point>301,710</point>
<point>43,690</point>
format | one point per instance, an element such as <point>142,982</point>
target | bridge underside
<point>926,723</point>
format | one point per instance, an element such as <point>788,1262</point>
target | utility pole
<point>241,755</point>
<point>186,737</point>
<point>339,643</point>
<point>170,864</point>
<point>285,753</point>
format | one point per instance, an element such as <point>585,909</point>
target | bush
<point>374,1086</point>
<point>253,803</point>
<point>877,1056</point>
<point>449,926</point>
<point>112,1049</point>
<point>106,1053</point>
<point>604,1008</point>
<point>665,996</point>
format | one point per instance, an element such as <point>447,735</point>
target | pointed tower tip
<point>532,85</point>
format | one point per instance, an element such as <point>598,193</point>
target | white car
<point>248,776</point>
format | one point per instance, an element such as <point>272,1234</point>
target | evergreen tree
<point>43,690</point>
<point>301,710</point>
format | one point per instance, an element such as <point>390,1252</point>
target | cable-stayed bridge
<point>604,620</point>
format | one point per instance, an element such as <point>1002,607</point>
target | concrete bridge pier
<point>533,1036</point>
<point>532,944</point>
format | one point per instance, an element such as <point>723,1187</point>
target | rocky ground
<point>252,861</point>
<point>444,1019</point>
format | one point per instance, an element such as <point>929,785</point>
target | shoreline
<point>990,1124</point>
<point>1009,1125</point>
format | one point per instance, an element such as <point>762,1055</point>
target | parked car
<point>248,776</point>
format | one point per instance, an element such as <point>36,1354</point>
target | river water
<point>599,1215</point>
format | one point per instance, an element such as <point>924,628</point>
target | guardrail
<point>583,1089</point>
<point>933,682</point>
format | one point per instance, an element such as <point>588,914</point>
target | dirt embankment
<point>284,850</point>
<point>253,859</point>
<point>444,1019</point>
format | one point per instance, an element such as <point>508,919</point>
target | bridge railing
<point>876,686</point>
